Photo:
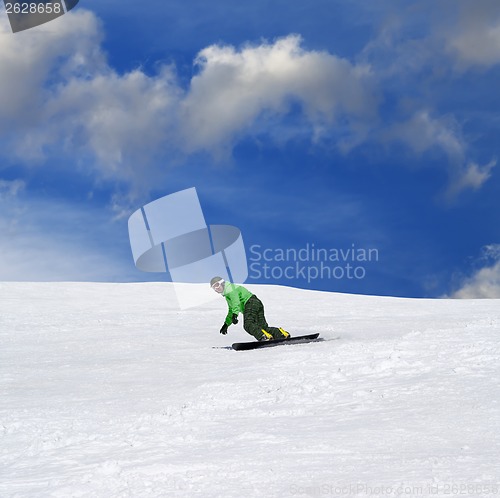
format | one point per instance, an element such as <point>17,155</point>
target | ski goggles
<point>218,284</point>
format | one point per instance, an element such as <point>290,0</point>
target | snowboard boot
<point>266,336</point>
<point>284,333</point>
<point>278,333</point>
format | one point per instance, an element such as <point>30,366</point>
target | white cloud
<point>48,240</point>
<point>474,40</point>
<point>478,45</point>
<point>234,88</point>
<point>471,176</point>
<point>423,132</point>
<point>123,120</point>
<point>58,94</point>
<point>485,282</point>
<point>10,188</point>
<point>56,84</point>
<point>60,50</point>
<point>58,91</point>
<point>441,36</point>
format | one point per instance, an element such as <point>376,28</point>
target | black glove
<point>235,318</point>
<point>223,329</point>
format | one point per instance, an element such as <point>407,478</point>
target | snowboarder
<point>241,300</point>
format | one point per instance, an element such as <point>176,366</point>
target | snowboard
<point>301,339</point>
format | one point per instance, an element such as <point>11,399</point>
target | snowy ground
<point>107,390</point>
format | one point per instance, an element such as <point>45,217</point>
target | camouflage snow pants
<point>254,320</point>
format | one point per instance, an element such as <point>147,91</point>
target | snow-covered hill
<point>108,390</point>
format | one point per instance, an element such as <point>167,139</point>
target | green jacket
<point>236,297</point>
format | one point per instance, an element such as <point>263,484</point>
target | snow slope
<point>107,390</point>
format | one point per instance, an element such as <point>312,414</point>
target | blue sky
<point>325,123</point>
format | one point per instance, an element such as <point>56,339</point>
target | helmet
<point>214,280</point>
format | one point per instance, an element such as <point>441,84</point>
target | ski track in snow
<point>107,390</point>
